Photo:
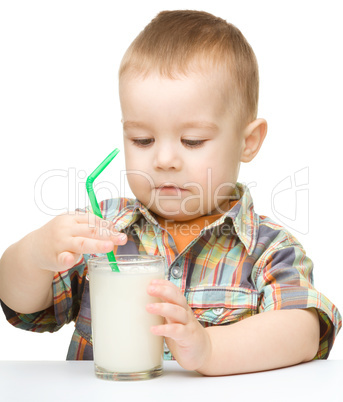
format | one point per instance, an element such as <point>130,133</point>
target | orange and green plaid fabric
<point>240,265</point>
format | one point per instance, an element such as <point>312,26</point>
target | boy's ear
<point>254,135</point>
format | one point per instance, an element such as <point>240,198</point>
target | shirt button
<point>218,311</point>
<point>176,272</point>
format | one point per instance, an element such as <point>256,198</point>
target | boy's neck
<point>213,215</point>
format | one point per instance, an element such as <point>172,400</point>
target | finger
<point>67,260</point>
<point>169,294</point>
<point>99,232</point>
<point>94,227</point>
<point>92,220</point>
<point>83,245</point>
<point>172,312</point>
<point>173,331</point>
<point>165,282</point>
<point>86,217</point>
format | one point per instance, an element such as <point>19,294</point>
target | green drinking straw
<point>94,202</point>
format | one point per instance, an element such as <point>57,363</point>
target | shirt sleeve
<point>285,281</point>
<point>67,288</point>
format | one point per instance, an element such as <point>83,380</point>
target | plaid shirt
<point>240,265</point>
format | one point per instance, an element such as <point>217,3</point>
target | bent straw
<point>94,202</point>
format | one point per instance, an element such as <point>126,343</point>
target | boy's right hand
<point>60,243</point>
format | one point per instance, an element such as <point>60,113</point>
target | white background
<point>60,116</point>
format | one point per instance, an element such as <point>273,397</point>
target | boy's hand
<point>59,244</point>
<point>187,340</point>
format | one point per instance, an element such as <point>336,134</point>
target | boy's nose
<point>167,158</point>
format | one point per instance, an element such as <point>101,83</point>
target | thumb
<point>67,260</point>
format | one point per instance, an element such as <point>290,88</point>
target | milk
<point>122,340</point>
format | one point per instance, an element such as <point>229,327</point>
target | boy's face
<point>182,148</point>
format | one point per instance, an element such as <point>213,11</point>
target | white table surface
<point>65,381</point>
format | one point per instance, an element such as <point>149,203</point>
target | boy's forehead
<point>213,80</point>
<point>198,67</point>
<point>216,79</point>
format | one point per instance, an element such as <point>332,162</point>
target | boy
<point>238,296</point>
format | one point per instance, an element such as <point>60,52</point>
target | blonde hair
<point>180,41</point>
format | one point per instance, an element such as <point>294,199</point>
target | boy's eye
<point>143,142</point>
<point>193,143</point>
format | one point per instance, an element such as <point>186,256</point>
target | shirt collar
<point>244,218</point>
<point>242,215</point>
<point>131,214</point>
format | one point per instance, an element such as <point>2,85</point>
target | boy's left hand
<point>186,338</point>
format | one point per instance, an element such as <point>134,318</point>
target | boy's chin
<point>174,214</point>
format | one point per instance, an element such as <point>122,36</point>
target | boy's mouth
<point>170,188</point>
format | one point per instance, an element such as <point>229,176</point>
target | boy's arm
<point>27,267</point>
<point>262,342</point>
<point>24,287</point>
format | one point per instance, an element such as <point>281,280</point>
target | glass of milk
<point>123,345</point>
